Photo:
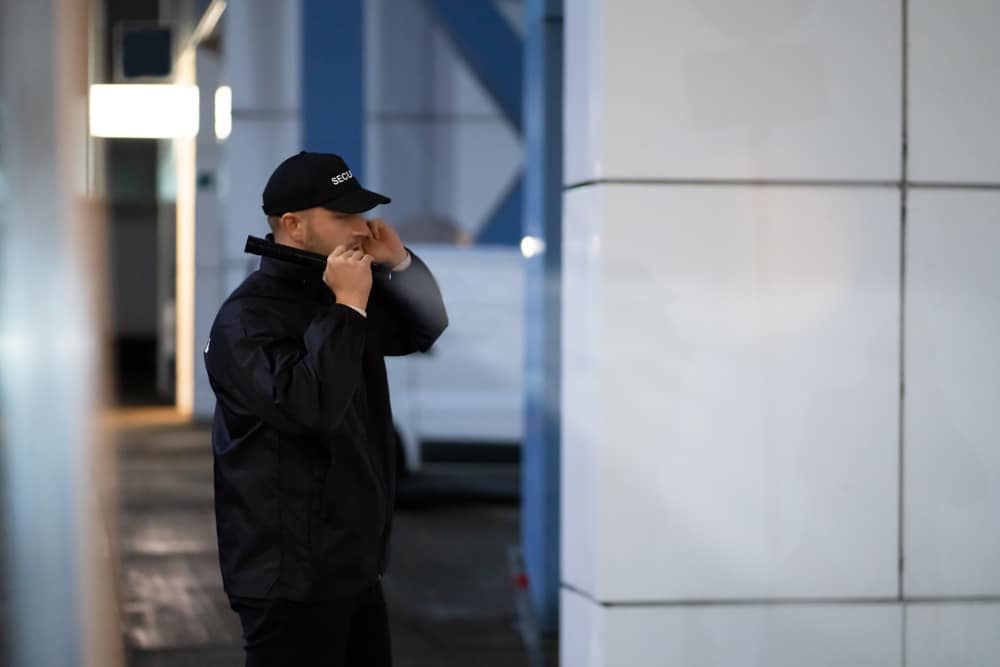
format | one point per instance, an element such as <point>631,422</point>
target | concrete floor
<point>449,592</point>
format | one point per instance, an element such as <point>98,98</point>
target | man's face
<point>323,230</point>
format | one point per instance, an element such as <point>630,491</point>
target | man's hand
<point>348,274</point>
<point>384,244</point>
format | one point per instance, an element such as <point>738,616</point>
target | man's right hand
<point>348,274</point>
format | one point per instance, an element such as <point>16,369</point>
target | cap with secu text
<point>307,180</point>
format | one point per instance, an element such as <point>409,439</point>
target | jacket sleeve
<point>415,314</point>
<point>296,385</point>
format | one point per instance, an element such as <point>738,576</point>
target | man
<point>303,439</point>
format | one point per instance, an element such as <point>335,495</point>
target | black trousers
<point>353,632</point>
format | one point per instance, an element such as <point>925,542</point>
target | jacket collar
<point>281,269</point>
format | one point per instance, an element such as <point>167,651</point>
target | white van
<point>467,393</point>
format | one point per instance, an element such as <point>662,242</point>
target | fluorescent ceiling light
<point>143,110</point>
<point>223,112</point>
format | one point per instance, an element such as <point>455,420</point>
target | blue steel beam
<point>490,47</point>
<point>540,461</point>
<point>332,88</point>
<point>504,225</point>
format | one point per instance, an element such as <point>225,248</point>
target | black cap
<point>307,180</point>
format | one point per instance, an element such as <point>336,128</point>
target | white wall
<point>742,302</point>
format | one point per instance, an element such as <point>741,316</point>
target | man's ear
<point>292,225</point>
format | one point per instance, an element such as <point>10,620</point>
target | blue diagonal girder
<point>493,51</point>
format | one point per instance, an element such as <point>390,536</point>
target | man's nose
<point>361,227</point>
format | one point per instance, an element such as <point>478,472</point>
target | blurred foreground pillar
<point>60,609</point>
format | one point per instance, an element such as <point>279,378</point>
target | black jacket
<point>303,439</point>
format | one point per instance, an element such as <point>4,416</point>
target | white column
<point>210,219</point>
<point>732,333</point>
<point>952,365</point>
<point>262,65</point>
<point>185,156</point>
